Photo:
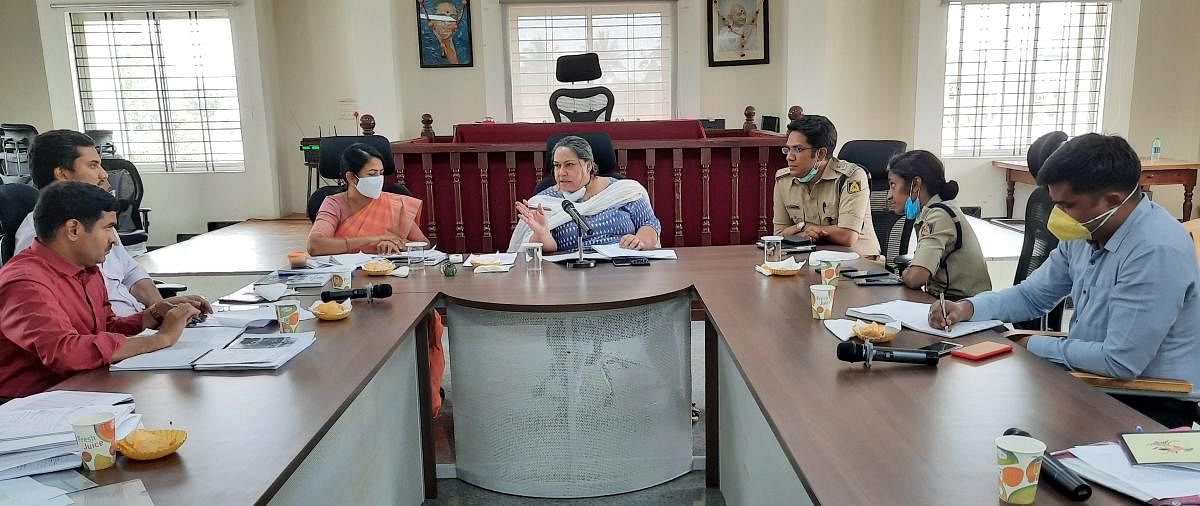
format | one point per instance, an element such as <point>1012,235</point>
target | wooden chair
<point>1153,387</point>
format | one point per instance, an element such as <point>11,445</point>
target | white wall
<point>23,98</point>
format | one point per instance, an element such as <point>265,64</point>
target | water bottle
<point>1156,150</point>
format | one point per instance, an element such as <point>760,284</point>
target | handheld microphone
<point>574,214</point>
<point>371,292</point>
<point>850,351</point>
<point>1060,477</point>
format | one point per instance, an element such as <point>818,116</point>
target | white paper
<point>256,358</point>
<point>431,256</point>
<point>45,466</point>
<point>832,256</point>
<point>24,491</point>
<point>272,292</point>
<point>11,460</point>
<point>562,257</point>
<point>66,399</point>
<point>615,250</point>
<point>502,258</point>
<point>400,272</point>
<point>1156,481</point>
<point>19,424</point>
<point>915,315</point>
<point>248,317</point>
<point>351,259</point>
<point>194,343</point>
<point>843,329</point>
<point>492,268</point>
<point>37,443</point>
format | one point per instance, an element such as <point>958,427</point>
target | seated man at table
<point>55,319</point>
<point>819,196</point>
<point>1128,265</point>
<point>367,219</point>
<point>617,210</point>
<point>67,155</point>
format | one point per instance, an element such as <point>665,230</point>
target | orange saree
<point>397,215</point>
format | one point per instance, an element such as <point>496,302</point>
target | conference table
<point>787,423</point>
<point>1154,172</point>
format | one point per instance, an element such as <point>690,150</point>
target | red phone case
<point>980,351</point>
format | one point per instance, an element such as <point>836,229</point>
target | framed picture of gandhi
<point>737,33</point>
<point>444,33</point>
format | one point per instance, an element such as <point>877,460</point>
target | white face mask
<point>577,195</point>
<point>370,186</point>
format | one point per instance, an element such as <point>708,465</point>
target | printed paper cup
<point>1020,461</point>
<point>288,314</point>
<point>829,273</point>
<point>822,301</point>
<point>342,279</point>
<point>95,435</point>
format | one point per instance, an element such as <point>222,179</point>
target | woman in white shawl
<point>618,210</point>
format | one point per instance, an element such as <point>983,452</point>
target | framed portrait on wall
<point>444,33</point>
<point>738,33</point>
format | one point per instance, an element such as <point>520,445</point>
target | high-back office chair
<point>580,104</point>
<point>330,167</point>
<point>893,230</point>
<point>1039,242</point>
<point>133,220</point>
<point>15,140</point>
<point>602,149</point>
<point>16,202</point>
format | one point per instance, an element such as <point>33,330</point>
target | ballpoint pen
<point>945,319</point>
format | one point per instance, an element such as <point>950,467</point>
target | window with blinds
<point>633,41</point>
<point>1016,70</point>
<point>164,83</point>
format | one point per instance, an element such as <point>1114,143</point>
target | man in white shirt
<point>67,155</point>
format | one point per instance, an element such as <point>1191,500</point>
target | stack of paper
<point>1107,464</point>
<point>491,259</point>
<point>915,315</point>
<point>305,278</point>
<point>36,435</point>
<point>256,351</point>
<point>28,491</point>
<point>615,250</point>
<point>431,256</point>
<point>193,344</point>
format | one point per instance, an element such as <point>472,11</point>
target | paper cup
<point>342,279</point>
<point>288,314</point>
<point>829,273</point>
<point>298,259</point>
<point>95,435</point>
<point>1020,461</point>
<point>822,301</point>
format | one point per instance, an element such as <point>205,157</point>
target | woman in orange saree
<point>366,219</point>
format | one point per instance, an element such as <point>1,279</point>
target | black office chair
<point>580,104</point>
<point>893,230</point>
<point>1039,242</point>
<point>330,167</point>
<point>16,202</point>
<point>133,220</point>
<point>602,150</point>
<point>15,140</point>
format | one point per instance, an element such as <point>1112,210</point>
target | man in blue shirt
<point>1127,264</point>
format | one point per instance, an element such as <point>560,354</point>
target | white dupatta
<point>618,193</point>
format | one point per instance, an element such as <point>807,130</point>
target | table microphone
<point>1060,476</point>
<point>849,351</point>
<point>370,293</point>
<point>574,214</point>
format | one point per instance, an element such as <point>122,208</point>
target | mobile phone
<point>871,273</point>
<point>878,281</point>
<point>941,347</point>
<point>630,261</point>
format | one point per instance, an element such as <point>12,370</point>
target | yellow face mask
<point>1066,228</point>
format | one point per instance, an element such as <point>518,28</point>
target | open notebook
<point>915,315</point>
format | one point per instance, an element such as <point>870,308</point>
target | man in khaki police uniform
<point>819,196</point>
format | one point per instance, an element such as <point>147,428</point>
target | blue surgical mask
<point>809,176</point>
<point>912,207</point>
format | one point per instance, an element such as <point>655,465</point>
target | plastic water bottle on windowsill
<point>1156,150</point>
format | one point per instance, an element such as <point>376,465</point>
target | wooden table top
<point>1147,164</point>
<point>255,246</point>
<point>248,431</point>
<point>895,434</point>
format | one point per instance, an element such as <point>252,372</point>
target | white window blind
<point>164,83</point>
<point>1016,70</point>
<point>632,39</point>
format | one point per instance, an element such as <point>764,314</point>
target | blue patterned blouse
<point>608,226</point>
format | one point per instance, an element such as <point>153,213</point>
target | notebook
<point>915,316</point>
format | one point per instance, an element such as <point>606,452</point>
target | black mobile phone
<point>878,281</point>
<point>856,274</point>
<point>630,261</point>
<point>941,347</point>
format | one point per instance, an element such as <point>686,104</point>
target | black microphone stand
<point>580,263</point>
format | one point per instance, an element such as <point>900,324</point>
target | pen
<point>945,319</point>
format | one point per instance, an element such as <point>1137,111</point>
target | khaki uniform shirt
<point>965,272</point>
<point>840,197</point>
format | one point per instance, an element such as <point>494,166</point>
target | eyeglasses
<point>787,150</point>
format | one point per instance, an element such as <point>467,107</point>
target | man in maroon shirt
<point>55,318</point>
